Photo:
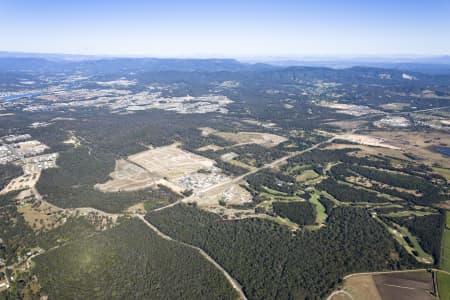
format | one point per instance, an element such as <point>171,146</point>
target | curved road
<point>234,283</point>
<point>230,279</point>
<point>253,171</point>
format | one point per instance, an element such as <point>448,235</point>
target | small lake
<point>14,97</point>
<point>442,150</point>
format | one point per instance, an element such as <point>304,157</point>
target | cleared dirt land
<point>241,138</point>
<point>228,194</point>
<point>408,285</point>
<point>22,182</point>
<point>358,287</point>
<point>128,177</point>
<point>170,166</point>
<point>170,161</point>
<point>419,143</point>
<point>368,140</point>
<point>263,139</point>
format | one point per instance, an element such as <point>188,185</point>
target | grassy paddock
<point>443,281</point>
<point>445,256</point>
<point>321,215</point>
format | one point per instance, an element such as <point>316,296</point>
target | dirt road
<point>230,279</point>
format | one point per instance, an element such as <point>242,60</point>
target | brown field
<point>31,146</point>
<point>73,140</point>
<point>169,166</point>
<point>419,143</point>
<point>394,106</point>
<point>228,156</point>
<point>241,138</point>
<point>209,147</point>
<point>170,162</point>
<point>369,140</point>
<point>22,182</point>
<point>405,286</point>
<point>412,285</point>
<point>232,194</point>
<point>205,131</point>
<point>137,208</point>
<point>362,287</point>
<point>128,177</point>
<point>41,216</point>
<point>366,150</point>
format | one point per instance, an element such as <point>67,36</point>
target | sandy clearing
<point>228,156</point>
<point>350,109</point>
<point>394,106</point>
<point>364,150</point>
<point>128,177</point>
<point>419,143</point>
<point>177,169</point>
<point>73,140</point>
<point>209,147</point>
<point>41,216</point>
<point>264,139</point>
<point>231,193</point>
<point>138,208</point>
<point>170,162</point>
<point>361,287</point>
<point>369,140</point>
<point>25,181</point>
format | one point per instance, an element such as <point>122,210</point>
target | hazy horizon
<point>253,29</point>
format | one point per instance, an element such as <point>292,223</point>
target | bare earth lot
<point>170,161</point>
<point>170,166</point>
<point>242,138</point>
<point>407,285</point>
<point>419,143</point>
<point>369,140</point>
<point>128,177</point>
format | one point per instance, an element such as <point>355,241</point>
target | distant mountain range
<point>16,60</point>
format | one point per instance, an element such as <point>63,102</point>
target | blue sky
<point>231,28</point>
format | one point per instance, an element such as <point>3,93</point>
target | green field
<point>443,281</point>
<point>306,175</point>
<point>444,172</point>
<point>408,213</point>
<point>321,216</point>
<point>447,220</point>
<point>399,233</point>
<point>445,256</point>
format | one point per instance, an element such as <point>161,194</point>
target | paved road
<point>253,171</point>
<point>400,112</point>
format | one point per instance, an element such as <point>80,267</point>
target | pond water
<point>14,97</point>
<point>442,150</point>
